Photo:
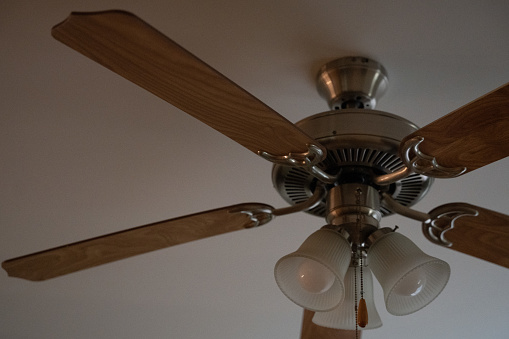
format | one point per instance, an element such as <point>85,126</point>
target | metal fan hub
<point>360,144</point>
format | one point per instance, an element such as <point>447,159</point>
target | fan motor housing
<point>361,144</point>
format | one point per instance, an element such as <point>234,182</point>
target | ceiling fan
<point>351,165</point>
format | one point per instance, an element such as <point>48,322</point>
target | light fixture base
<point>355,208</point>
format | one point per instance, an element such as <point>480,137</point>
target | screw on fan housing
<point>361,143</point>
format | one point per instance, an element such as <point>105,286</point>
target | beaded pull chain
<point>355,301</point>
<point>361,311</point>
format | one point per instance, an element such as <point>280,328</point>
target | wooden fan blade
<point>472,136</point>
<point>135,50</point>
<point>115,246</point>
<point>473,230</point>
<point>312,331</point>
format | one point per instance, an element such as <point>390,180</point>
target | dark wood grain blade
<point>312,331</point>
<point>130,47</point>
<point>472,136</point>
<point>485,235</point>
<point>112,247</point>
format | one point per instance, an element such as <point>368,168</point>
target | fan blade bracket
<point>470,229</point>
<point>387,179</point>
<point>419,162</point>
<point>311,157</point>
<point>395,206</point>
<point>318,195</point>
<point>442,219</point>
<point>258,215</point>
<point>309,160</point>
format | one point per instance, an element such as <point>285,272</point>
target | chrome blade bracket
<point>422,163</point>
<point>319,193</point>
<point>393,205</point>
<point>387,179</point>
<point>309,160</point>
<point>259,215</point>
<point>442,220</point>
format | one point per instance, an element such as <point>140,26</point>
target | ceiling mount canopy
<point>352,82</point>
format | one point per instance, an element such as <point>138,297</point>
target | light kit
<point>330,273</point>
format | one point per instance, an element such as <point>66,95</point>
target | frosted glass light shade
<point>325,253</point>
<point>410,278</point>
<point>314,277</point>
<point>343,316</point>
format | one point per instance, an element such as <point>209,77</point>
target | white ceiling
<point>84,153</point>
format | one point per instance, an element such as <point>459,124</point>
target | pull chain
<point>361,312</point>
<point>361,265</point>
<point>355,298</point>
<point>358,193</point>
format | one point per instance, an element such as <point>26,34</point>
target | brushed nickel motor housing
<point>361,143</point>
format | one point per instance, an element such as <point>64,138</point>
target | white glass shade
<point>343,316</point>
<point>410,278</point>
<point>312,276</point>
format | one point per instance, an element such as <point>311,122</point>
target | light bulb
<point>314,277</point>
<point>412,284</point>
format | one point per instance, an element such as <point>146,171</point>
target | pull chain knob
<point>362,313</point>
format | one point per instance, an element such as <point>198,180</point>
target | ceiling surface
<point>84,153</point>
